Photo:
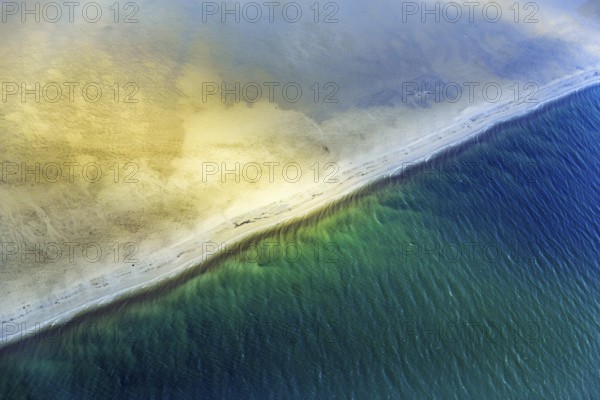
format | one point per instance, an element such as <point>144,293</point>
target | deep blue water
<point>473,276</point>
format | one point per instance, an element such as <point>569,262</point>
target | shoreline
<point>358,175</point>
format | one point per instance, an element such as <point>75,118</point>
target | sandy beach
<point>194,247</point>
<point>123,167</point>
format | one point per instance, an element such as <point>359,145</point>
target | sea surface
<point>476,275</point>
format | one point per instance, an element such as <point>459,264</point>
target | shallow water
<point>476,275</point>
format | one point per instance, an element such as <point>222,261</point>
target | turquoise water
<point>474,276</point>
